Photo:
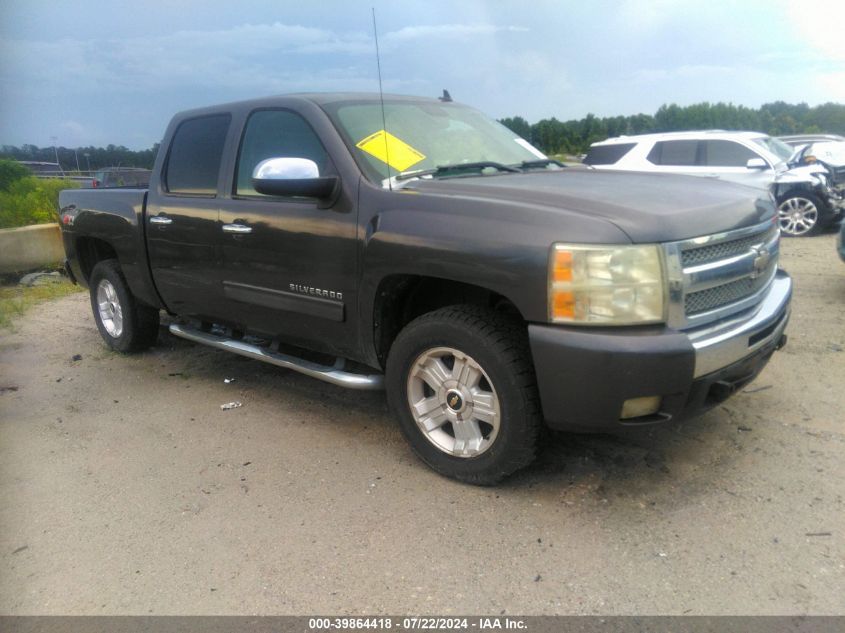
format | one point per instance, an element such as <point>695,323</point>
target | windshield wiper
<point>458,169</point>
<point>540,163</point>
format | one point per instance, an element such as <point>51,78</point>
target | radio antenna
<point>381,99</point>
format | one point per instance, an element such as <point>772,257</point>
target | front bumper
<point>836,201</point>
<point>585,375</point>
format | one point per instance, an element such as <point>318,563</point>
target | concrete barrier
<point>30,247</point>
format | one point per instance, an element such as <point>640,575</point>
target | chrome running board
<point>335,375</point>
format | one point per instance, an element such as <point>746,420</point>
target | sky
<point>80,73</point>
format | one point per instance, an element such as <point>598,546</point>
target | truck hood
<point>647,207</point>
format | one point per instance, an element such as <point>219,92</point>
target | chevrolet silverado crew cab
<point>425,249</point>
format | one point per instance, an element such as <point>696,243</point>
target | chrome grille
<point>723,250</point>
<point>712,298</point>
<point>715,276</point>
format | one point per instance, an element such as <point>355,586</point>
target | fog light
<point>638,407</point>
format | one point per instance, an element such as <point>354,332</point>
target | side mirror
<point>756,163</point>
<point>292,177</point>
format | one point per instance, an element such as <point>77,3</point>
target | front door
<point>288,265</point>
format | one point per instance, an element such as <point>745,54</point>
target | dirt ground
<point>125,489</point>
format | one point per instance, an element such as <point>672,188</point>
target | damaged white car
<point>808,195</point>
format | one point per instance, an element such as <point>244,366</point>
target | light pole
<point>88,160</point>
<point>76,154</point>
<point>55,149</point>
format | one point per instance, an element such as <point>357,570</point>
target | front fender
<point>496,256</point>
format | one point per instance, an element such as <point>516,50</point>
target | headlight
<point>823,180</point>
<point>606,285</point>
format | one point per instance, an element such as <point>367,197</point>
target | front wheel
<point>124,324</point>
<point>461,384</point>
<point>801,214</point>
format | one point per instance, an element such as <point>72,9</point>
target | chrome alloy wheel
<point>453,402</point>
<point>108,304</point>
<point>797,216</point>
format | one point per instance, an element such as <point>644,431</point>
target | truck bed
<point>111,219</point>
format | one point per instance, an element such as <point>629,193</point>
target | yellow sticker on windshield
<point>391,150</point>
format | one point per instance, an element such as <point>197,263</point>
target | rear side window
<point>727,154</point>
<point>195,154</point>
<point>673,153</point>
<point>277,134</point>
<point>607,154</point>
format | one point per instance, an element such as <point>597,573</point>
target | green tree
<point>10,171</point>
<point>31,200</point>
<point>518,125</point>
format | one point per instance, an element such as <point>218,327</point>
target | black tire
<point>798,201</point>
<point>139,322</point>
<point>498,346</point>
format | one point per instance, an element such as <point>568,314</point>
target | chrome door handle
<point>240,229</point>
<point>160,219</point>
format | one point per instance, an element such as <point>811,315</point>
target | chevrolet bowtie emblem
<point>761,261</point>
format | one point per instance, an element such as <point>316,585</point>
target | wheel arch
<point>91,251</point>
<point>400,298</point>
<point>87,251</point>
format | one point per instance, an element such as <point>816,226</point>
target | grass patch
<point>16,300</point>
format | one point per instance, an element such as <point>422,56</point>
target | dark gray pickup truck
<point>425,249</point>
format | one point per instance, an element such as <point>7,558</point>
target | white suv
<point>806,200</point>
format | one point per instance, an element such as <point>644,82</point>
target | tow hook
<point>722,390</point>
<point>781,343</point>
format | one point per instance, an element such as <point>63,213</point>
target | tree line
<point>778,118</point>
<point>86,158</point>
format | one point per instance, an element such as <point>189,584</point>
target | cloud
<point>246,58</point>
<point>640,16</point>
<point>443,31</point>
<point>121,76</point>
<point>684,71</point>
<point>74,130</point>
<point>147,77</point>
<point>832,85</point>
<point>819,25</point>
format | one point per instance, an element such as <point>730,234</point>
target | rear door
<point>682,156</point>
<point>288,265</point>
<point>728,160</point>
<point>183,233</point>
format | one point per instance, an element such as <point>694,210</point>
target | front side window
<point>727,154</point>
<point>277,134</point>
<point>675,153</point>
<point>193,163</point>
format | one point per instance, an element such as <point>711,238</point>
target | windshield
<point>776,147</point>
<point>423,136</point>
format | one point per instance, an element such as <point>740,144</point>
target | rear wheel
<point>125,324</point>
<point>461,384</point>
<point>802,214</point>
